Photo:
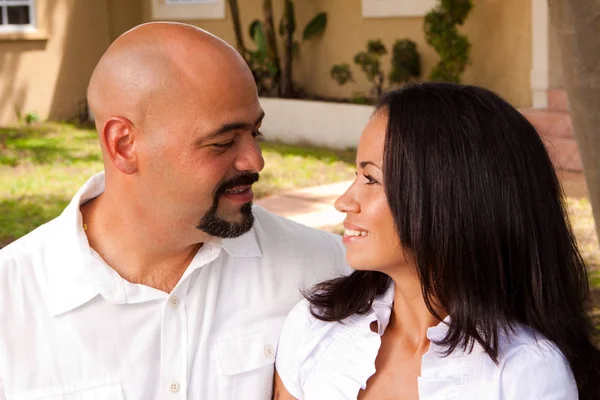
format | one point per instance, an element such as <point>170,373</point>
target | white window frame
<point>182,10</point>
<point>396,8</point>
<point>30,27</point>
<point>178,2</point>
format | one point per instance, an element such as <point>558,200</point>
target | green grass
<point>582,221</point>
<point>41,168</point>
<point>288,167</point>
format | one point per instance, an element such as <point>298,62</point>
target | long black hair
<point>477,204</point>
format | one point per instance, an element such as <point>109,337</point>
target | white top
<point>72,328</point>
<point>331,360</point>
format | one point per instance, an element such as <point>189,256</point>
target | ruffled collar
<point>382,309</point>
<point>349,360</point>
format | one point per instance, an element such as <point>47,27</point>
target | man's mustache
<point>249,178</point>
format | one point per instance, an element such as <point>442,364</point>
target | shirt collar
<point>382,306</point>
<point>438,332</point>
<point>68,254</point>
<point>76,275</point>
<point>243,246</point>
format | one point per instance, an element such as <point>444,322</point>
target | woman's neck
<point>410,317</point>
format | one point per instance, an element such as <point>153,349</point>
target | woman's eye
<point>370,180</point>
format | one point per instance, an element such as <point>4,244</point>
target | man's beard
<point>217,226</point>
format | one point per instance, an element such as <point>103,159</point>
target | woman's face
<point>370,237</point>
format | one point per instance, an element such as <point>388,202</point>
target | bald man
<point>160,280</point>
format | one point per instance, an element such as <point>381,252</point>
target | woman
<point>468,281</point>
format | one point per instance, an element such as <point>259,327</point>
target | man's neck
<point>140,254</point>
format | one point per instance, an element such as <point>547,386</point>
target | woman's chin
<point>360,264</point>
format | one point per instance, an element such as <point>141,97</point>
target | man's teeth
<point>350,232</point>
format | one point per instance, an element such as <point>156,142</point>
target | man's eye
<point>257,134</point>
<point>224,145</point>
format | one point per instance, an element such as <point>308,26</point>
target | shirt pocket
<point>93,390</point>
<point>245,357</point>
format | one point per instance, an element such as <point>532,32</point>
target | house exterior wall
<point>47,72</point>
<point>499,30</point>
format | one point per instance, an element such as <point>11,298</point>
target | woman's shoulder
<point>300,336</point>
<point>530,363</point>
<point>302,333</point>
<point>523,341</point>
<point>322,356</point>
<point>300,323</point>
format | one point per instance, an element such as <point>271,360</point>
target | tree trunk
<point>577,25</point>
<point>272,52</point>
<point>237,27</point>
<point>287,85</point>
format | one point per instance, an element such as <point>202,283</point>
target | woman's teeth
<point>350,232</point>
<point>236,190</point>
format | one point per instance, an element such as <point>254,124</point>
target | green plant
<point>360,98</point>
<point>442,34</point>
<point>270,77</point>
<point>370,63</point>
<point>31,118</point>
<point>405,65</point>
<point>341,73</point>
<point>263,69</point>
<point>406,62</point>
<point>27,119</point>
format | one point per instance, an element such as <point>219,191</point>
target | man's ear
<point>119,139</point>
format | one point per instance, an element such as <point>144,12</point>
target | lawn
<point>582,220</point>
<point>41,168</point>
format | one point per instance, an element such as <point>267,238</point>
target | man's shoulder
<point>278,228</point>
<point>27,248</point>
<point>317,254</point>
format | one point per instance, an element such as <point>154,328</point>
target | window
<point>181,10</point>
<point>17,15</point>
<point>396,8</point>
<point>190,1</point>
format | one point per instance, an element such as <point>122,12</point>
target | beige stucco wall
<point>124,15</point>
<point>500,33</point>
<point>47,73</point>
<point>499,30</point>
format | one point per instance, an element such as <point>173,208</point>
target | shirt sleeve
<point>341,266</point>
<point>2,393</point>
<point>536,372</point>
<point>289,361</point>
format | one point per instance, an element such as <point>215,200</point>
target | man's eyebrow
<point>364,164</point>
<point>232,126</point>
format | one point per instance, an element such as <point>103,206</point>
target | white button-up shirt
<point>334,360</point>
<point>72,328</point>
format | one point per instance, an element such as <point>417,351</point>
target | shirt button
<point>174,387</point>
<point>174,301</point>
<point>269,351</point>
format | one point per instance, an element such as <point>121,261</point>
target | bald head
<point>158,65</point>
